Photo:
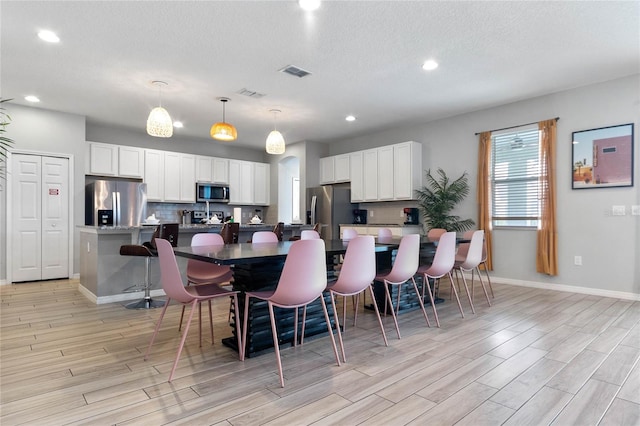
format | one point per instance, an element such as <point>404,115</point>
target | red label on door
<point>54,191</point>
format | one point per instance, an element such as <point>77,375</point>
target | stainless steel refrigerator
<point>115,203</point>
<point>331,206</point>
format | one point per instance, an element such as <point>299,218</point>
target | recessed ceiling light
<point>31,98</point>
<point>178,124</point>
<point>49,36</point>
<point>309,5</point>
<point>430,65</point>
<point>350,118</point>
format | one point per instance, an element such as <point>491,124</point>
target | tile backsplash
<point>388,212</point>
<point>172,212</point>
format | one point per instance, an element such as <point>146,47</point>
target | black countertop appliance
<point>359,217</point>
<point>411,216</point>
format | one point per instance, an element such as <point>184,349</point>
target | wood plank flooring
<point>536,357</point>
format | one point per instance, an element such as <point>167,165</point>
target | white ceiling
<point>365,58</point>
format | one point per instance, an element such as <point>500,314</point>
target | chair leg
<point>425,283</point>
<point>155,331</point>
<point>455,291</point>
<point>466,287</point>
<point>375,307</point>
<point>335,315</point>
<point>200,322</point>
<point>304,322</point>
<point>344,312</point>
<point>276,347</point>
<point>483,287</point>
<point>239,337</point>
<point>398,299</point>
<point>211,321</point>
<point>184,337</point>
<point>421,300</point>
<point>486,271</point>
<point>393,312</point>
<point>333,340</point>
<point>244,327</point>
<point>355,307</point>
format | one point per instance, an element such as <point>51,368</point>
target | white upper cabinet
<point>103,159</point>
<point>335,169</point>
<point>327,170</point>
<point>115,160</point>
<point>130,162</point>
<point>248,183</point>
<point>370,174</point>
<point>357,177</point>
<point>407,170</point>
<point>154,174</point>
<point>385,173</point>
<point>212,169</point>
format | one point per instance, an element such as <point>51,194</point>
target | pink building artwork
<point>612,160</point>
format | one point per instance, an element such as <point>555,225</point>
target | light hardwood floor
<point>535,357</point>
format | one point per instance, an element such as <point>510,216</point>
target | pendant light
<point>159,123</point>
<point>275,140</point>
<point>223,131</point>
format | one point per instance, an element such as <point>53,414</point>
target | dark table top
<point>229,254</point>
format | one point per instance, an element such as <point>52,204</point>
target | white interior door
<point>39,225</point>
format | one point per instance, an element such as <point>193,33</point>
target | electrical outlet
<point>401,213</point>
<point>370,213</point>
<point>88,247</point>
<point>618,210</point>
<point>635,210</point>
<point>577,260</point>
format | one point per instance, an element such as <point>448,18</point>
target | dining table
<point>257,267</point>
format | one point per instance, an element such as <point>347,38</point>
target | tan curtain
<point>547,248</point>
<point>484,193</point>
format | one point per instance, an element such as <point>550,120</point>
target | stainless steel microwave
<point>213,193</point>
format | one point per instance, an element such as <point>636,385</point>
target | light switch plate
<point>618,210</point>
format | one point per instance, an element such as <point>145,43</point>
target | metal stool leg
<point>146,302</point>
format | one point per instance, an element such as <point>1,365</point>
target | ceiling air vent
<point>295,71</point>
<point>251,93</point>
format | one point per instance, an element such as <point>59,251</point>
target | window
<point>515,169</point>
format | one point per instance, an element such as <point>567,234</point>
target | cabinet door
<point>204,169</point>
<point>357,188</point>
<point>235,182</point>
<point>261,184</point>
<point>341,168</point>
<point>407,170</point>
<point>154,174</point>
<point>220,170</point>
<point>385,173</point>
<point>187,178</point>
<point>103,159</point>
<point>327,171</point>
<point>370,174</point>
<point>172,177</point>
<point>247,182</point>
<point>130,162</point>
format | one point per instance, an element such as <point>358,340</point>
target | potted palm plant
<point>5,142</point>
<point>438,197</point>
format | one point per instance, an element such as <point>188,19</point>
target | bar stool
<point>165,231</point>
<point>230,232</point>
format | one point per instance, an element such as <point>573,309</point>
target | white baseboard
<point>569,288</point>
<point>117,297</point>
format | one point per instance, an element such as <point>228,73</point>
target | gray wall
<point>609,246</point>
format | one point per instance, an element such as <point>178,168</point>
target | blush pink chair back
<point>407,259</point>
<point>474,254</point>
<point>349,234</point>
<point>309,234</point>
<point>199,272</point>
<point>264,237</point>
<point>385,233</point>
<point>434,234</point>
<point>170,277</point>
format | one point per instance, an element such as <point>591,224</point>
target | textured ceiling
<point>365,58</point>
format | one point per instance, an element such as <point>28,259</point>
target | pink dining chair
<point>305,264</point>
<point>309,234</point>
<point>434,234</point>
<point>174,288</point>
<point>264,237</point>
<point>199,272</point>
<point>470,263</point>
<point>404,268</point>
<point>442,265</point>
<point>349,234</point>
<point>384,234</point>
<point>357,274</point>
<point>461,255</point>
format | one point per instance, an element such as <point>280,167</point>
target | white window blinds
<point>515,169</point>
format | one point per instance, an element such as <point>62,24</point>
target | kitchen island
<point>105,274</point>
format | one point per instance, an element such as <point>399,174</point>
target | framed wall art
<point>602,157</point>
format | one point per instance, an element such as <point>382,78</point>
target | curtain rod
<point>513,127</point>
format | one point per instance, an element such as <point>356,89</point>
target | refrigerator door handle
<point>314,200</point>
<point>116,208</point>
